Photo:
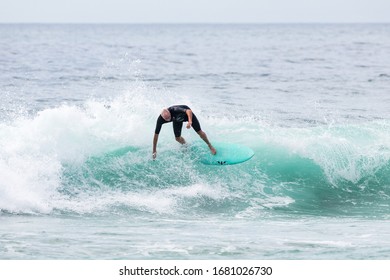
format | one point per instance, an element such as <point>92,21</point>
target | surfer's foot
<point>213,150</point>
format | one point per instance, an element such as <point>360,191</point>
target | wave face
<point>96,158</point>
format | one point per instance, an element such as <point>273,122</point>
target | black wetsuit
<point>178,116</point>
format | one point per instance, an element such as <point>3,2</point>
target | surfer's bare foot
<point>213,150</point>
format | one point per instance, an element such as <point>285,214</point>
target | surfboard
<point>227,153</point>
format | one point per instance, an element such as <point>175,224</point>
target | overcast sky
<point>194,11</point>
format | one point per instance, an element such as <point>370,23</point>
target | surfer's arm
<point>189,115</point>
<point>157,130</point>
<point>155,140</point>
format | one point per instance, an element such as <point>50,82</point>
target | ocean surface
<point>79,105</point>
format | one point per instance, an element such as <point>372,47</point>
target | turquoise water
<point>79,106</point>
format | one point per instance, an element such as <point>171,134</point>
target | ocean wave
<point>97,158</point>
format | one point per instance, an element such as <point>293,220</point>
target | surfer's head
<point>166,115</point>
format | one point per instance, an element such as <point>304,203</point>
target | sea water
<point>78,109</point>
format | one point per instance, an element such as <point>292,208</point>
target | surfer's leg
<point>177,126</point>
<point>203,135</point>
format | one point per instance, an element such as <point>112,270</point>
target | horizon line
<point>202,23</point>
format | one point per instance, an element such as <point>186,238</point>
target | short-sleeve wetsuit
<point>178,116</point>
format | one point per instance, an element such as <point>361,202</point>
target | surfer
<point>177,115</point>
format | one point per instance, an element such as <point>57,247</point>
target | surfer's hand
<point>154,155</point>
<point>189,125</point>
